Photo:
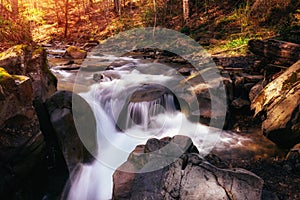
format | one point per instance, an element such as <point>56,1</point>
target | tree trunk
<point>185,9</point>
<point>286,53</point>
<point>66,18</point>
<point>155,15</point>
<point>120,5</point>
<point>117,6</point>
<point>15,7</point>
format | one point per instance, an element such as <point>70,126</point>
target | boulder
<point>75,53</point>
<point>16,97</point>
<point>293,157</point>
<point>21,142</point>
<point>239,103</point>
<point>32,62</point>
<point>206,99</point>
<point>90,44</point>
<point>279,106</point>
<point>255,90</point>
<point>180,173</point>
<point>24,77</point>
<point>294,153</point>
<point>76,148</point>
<point>149,92</point>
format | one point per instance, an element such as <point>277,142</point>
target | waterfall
<point>141,113</point>
<point>157,118</point>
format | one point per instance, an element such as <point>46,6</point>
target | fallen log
<point>286,53</point>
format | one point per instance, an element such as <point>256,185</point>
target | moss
<point>14,51</point>
<point>73,48</point>
<point>4,74</point>
<point>49,74</point>
<point>19,77</point>
<point>38,51</point>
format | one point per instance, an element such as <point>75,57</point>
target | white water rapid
<point>158,118</point>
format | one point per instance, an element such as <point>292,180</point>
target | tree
<point>117,6</point>
<point>186,10</point>
<point>66,18</point>
<point>15,7</point>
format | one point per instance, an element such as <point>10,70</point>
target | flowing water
<point>143,120</point>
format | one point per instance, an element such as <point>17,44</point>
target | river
<point>108,97</point>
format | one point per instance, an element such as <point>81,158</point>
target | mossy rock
<point>7,82</point>
<point>14,51</point>
<point>75,53</point>
<point>19,78</point>
<point>38,51</point>
<point>4,74</point>
<point>22,60</point>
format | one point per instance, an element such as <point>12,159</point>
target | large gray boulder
<point>76,148</point>
<point>188,176</point>
<point>279,106</point>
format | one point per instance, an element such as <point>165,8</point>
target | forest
<point>150,99</point>
<point>226,23</point>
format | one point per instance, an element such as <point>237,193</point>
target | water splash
<point>142,113</point>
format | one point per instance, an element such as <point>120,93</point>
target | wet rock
<point>149,92</point>
<point>294,153</point>
<point>239,103</point>
<point>110,74</point>
<point>70,62</point>
<point>120,63</point>
<point>293,157</point>
<point>94,67</point>
<point>74,126</point>
<point>75,53</point>
<point>255,90</point>
<point>68,67</point>
<point>228,83</point>
<point>185,71</point>
<point>252,78</point>
<point>55,53</point>
<point>278,103</point>
<point>97,77</point>
<point>106,76</point>
<point>90,44</point>
<point>178,59</point>
<point>185,175</point>
<point>210,101</point>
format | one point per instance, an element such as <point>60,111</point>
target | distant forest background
<point>225,24</point>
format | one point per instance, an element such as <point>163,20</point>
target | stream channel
<point>124,87</point>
